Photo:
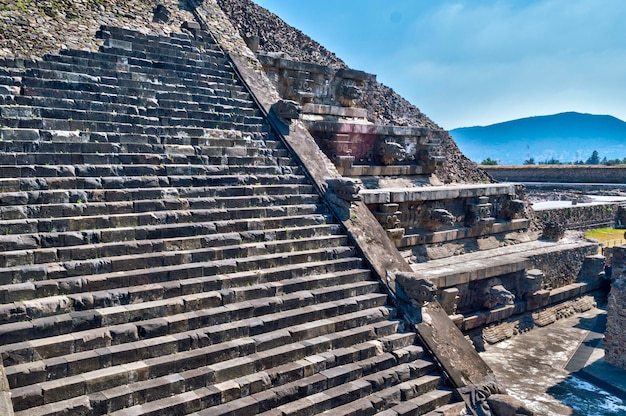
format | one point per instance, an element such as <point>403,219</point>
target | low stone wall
<point>579,217</point>
<point>558,173</point>
<point>562,268</point>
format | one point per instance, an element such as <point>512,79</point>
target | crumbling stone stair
<point>162,253</point>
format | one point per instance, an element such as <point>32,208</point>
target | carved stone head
<point>287,110</point>
<point>389,152</point>
<point>419,291</point>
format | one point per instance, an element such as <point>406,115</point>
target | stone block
<point>63,389</point>
<point>17,292</point>
<point>47,306</point>
<point>538,300</point>
<point>27,397</point>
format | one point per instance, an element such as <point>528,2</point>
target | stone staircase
<point>162,253</point>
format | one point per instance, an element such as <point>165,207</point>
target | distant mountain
<point>567,137</point>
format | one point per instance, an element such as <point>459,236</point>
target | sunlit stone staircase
<point>163,254</point>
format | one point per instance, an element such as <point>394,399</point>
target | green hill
<point>567,137</point>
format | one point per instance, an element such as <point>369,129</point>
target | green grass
<point>605,234</point>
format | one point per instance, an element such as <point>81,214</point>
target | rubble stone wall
<point>30,29</point>
<point>615,336</point>
<point>579,217</point>
<point>562,268</point>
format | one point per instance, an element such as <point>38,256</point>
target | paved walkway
<point>560,369</point>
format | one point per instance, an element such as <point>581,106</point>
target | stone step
<point>128,83</point>
<point>192,51</point>
<point>37,273</point>
<point>165,109</point>
<point>84,207</point>
<point>210,73</point>
<point>209,220</point>
<point>336,399</point>
<point>189,323</point>
<point>153,318</point>
<point>455,408</point>
<point>379,401</point>
<point>27,140</point>
<point>114,255</point>
<point>17,114</point>
<point>220,96</point>
<point>132,129</point>
<point>177,160</point>
<point>323,369</point>
<point>424,403</point>
<point>20,375</point>
<point>56,269</point>
<point>157,49</point>
<point>162,50</point>
<point>225,175</point>
<point>196,127</point>
<point>221,364</point>
<point>51,344</point>
<point>76,202</point>
<point>48,279</point>
<point>118,56</point>
<point>164,153</point>
<point>175,38</point>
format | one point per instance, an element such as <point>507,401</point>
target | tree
<point>530,161</point>
<point>594,159</point>
<point>489,162</point>
<point>551,161</point>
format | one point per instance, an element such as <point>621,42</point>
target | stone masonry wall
<point>567,174</point>
<point>562,268</point>
<point>579,217</point>
<point>615,336</point>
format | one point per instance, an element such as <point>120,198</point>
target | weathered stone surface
<point>505,405</point>
<point>615,336</point>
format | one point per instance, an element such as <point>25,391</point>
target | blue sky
<point>478,62</point>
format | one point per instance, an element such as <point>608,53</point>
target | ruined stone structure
<point>190,229</point>
<point>358,147</point>
<point>473,241</point>
<point>450,233</point>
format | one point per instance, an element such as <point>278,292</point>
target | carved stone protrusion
<point>449,300</point>
<point>512,208</point>
<point>389,152</point>
<point>286,110</point>
<point>531,283</point>
<point>348,92</point>
<point>437,218</point>
<point>498,295</point>
<point>388,216</point>
<point>341,192</point>
<point>553,231</point>
<point>415,290</point>
<point>503,405</point>
<point>491,399</point>
<point>479,213</point>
